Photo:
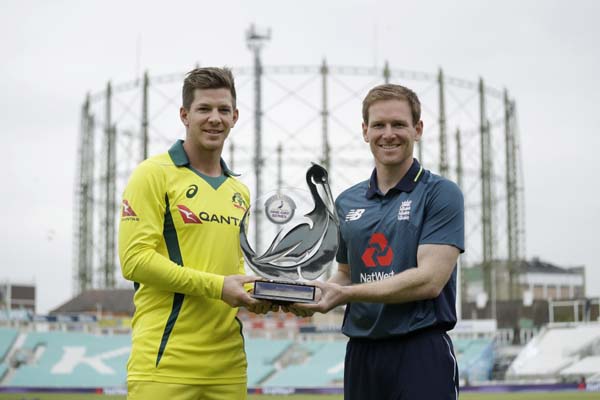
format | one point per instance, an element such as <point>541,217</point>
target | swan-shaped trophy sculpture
<point>304,250</point>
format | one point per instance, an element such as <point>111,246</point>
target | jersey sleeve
<point>342,252</point>
<point>242,270</point>
<point>445,218</point>
<point>141,234</point>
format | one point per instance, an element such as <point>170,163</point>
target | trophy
<point>305,242</point>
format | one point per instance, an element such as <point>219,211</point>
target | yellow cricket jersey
<point>178,238</point>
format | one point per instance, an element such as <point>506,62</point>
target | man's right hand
<point>235,294</point>
<point>331,296</point>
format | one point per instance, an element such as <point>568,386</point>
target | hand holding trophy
<point>304,246</point>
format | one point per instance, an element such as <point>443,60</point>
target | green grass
<point>531,396</point>
<point>463,396</point>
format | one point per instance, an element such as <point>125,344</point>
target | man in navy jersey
<point>401,232</point>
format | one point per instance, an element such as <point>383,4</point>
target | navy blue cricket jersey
<point>379,237</point>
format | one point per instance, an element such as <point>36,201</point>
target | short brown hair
<point>207,78</point>
<point>390,91</point>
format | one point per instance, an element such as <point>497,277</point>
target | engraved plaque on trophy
<point>302,232</point>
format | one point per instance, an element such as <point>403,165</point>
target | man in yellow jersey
<point>179,244</point>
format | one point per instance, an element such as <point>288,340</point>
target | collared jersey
<point>178,239</point>
<point>379,237</point>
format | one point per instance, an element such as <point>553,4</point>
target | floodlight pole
<point>110,131</point>
<point>255,42</point>
<point>144,127</point>
<point>442,124</point>
<point>326,161</point>
<point>487,211</point>
<point>84,238</point>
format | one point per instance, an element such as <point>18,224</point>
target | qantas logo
<point>127,212</point>
<point>378,254</point>
<point>188,216</point>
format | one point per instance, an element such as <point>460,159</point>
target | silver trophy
<point>305,242</point>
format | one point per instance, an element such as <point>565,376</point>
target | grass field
<point>464,396</point>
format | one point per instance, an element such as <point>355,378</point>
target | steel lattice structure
<point>290,116</point>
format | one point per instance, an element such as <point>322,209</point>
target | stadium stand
<point>16,315</point>
<point>7,338</point>
<point>67,359</point>
<point>555,349</point>
<point>312,347</point>
<point>475,358</point>
<point>324,367</point>
<point>3,370</point>
<point>82,359</point>
<point>64,358</point>
<point>262,355</point>
<point>588,366</point>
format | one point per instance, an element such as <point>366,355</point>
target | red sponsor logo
<point>378,253</point>
<point>188,216</point>
<point>127,211</point>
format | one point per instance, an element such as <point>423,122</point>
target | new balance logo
<point>354,214</point>
<point>404,210</point>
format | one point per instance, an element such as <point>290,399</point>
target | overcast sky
<point>54,52</point>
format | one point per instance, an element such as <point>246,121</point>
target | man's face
<point>209,119</point>
<point>390,132</point>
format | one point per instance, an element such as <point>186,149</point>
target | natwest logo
<point>378,254</point>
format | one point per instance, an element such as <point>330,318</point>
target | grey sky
<point>545,53</point>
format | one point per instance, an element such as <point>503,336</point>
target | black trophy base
<point>284,292</point>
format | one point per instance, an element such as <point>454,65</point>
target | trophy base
<point>284,292</point>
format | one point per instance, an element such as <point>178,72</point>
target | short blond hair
<point>207,78</point>
<point>390,91</point>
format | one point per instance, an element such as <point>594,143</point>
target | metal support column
<point>517,178</point>
<point>90,218</point>
<point>108,266</point>
<point>83,265</point>
<point>461,281</point>
<point>420,151</point>
<point>486,211</point>
<point>146,83</point>
<point>325,160</point>
<point>459,163</point>
<point>510,201</point>
<point>386,72</point>
<point>279,167</point>
<point>442,122</point>
<point>255,42</point>
<point>231,155</point>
